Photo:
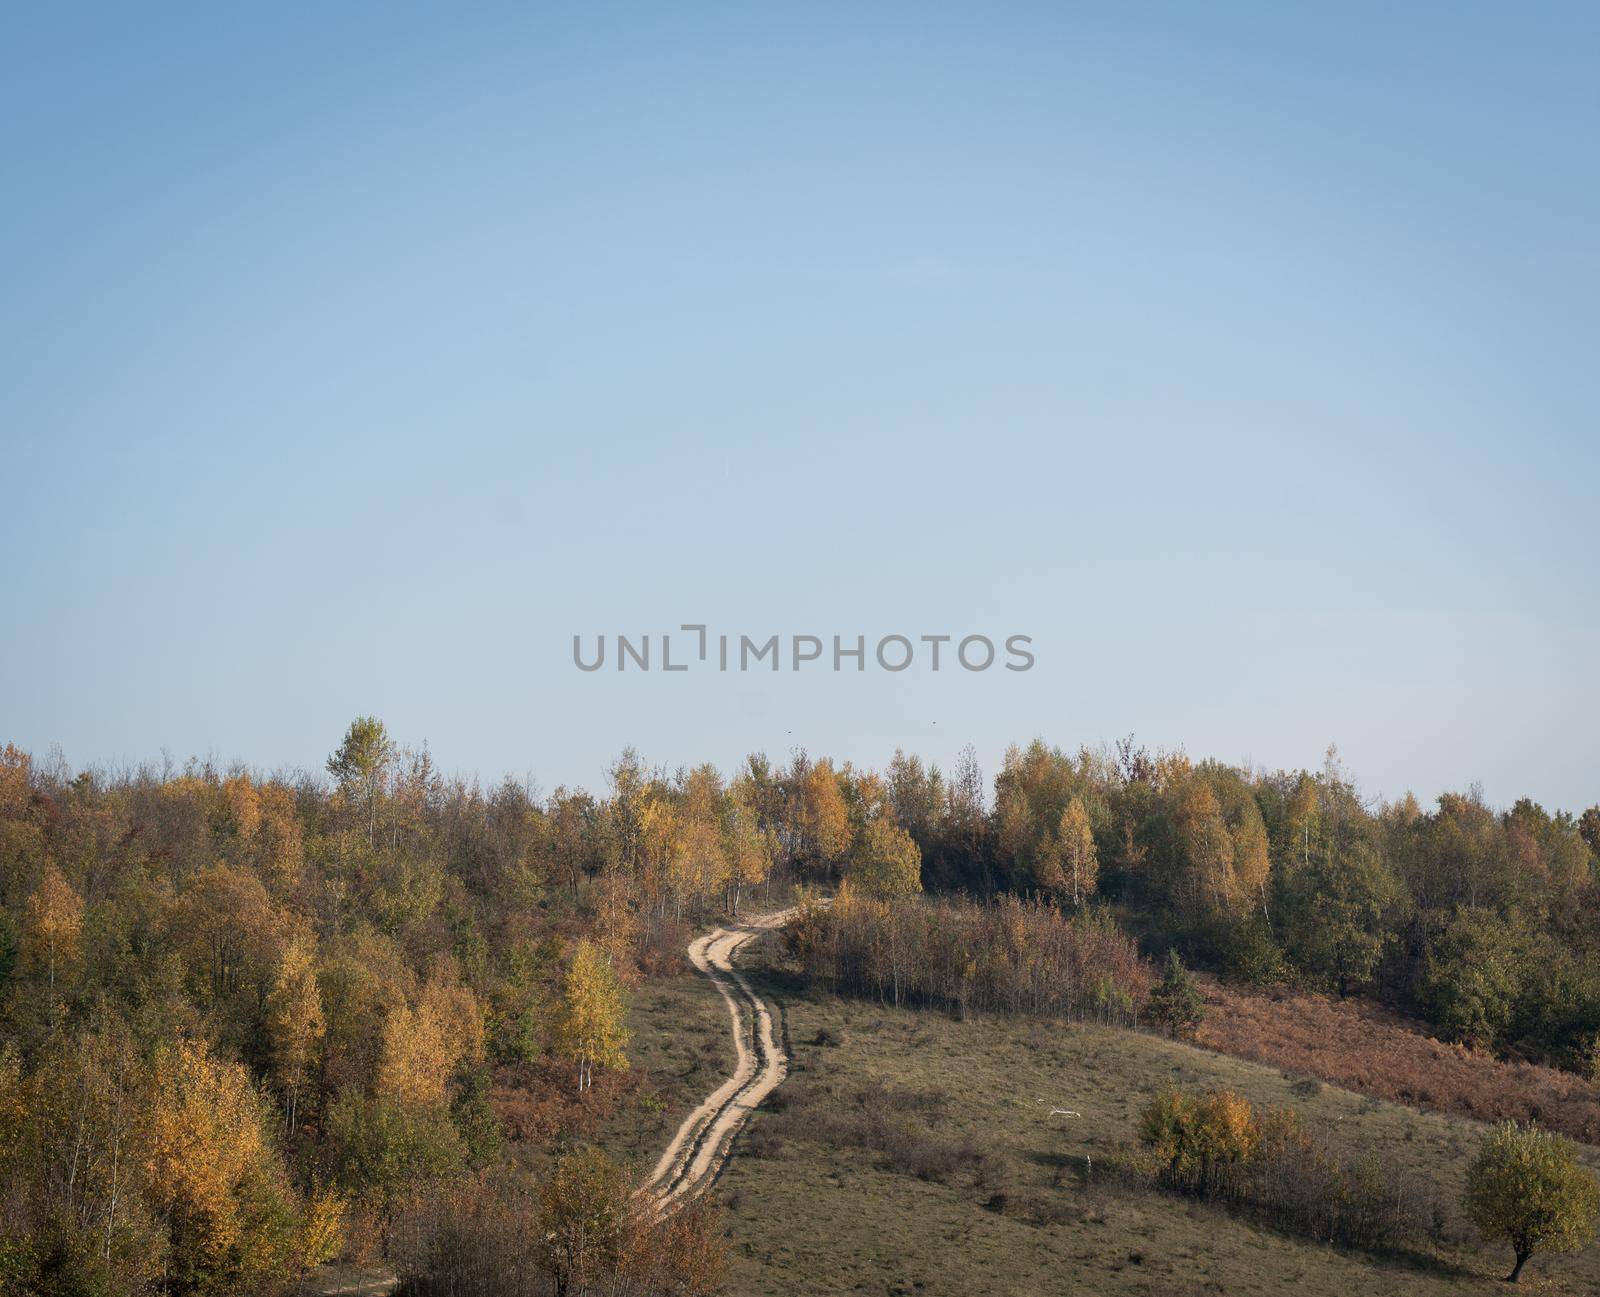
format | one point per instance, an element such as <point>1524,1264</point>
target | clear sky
<point>1247,356</point>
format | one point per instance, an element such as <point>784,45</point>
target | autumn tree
<point>1079,863</point>
<point>294,1023</point>
<point>590,1030</point>
<point>1527,1187</point>
<point>821,820</point>
<point>887,862</point>
<point>214,1176</point>
<point>423,1046</point>
<point>746,848</point>
<point>587,1221</point>
<point>52,925</point>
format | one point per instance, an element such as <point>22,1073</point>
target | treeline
<point>1023,957</point>
<point>1484,922</point>
<point>243,1019</point>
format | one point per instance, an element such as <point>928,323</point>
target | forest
<point>252,1022</point>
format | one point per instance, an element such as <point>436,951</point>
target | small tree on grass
<point>1176,1005</point>
<point>1527,1187</point>
<point>1196,1139</point>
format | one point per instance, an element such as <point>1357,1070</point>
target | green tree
<point>362,763</point>
<point>1333,916</point>
<point>1527,1187</point>
<point>1472,977</point>
<point>1176,1004</point>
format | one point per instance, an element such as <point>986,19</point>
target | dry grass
<point>1357,1045</point>
<point>817,1213</point>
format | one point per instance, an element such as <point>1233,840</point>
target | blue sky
<point>355,358</point>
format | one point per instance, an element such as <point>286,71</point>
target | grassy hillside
<point>975,1189</point>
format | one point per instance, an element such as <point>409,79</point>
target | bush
<point>1216,1147</point>
<point>582,1230</point>
<point>1195,1139</point>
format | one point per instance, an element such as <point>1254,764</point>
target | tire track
<point>697,1152</point>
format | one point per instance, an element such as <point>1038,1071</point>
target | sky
<point>355,358</point>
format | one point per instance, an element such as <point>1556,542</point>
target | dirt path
<point>700,1147</point>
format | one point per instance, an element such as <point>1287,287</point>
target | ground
<point>682,1049</point>
<point>809,1214</point>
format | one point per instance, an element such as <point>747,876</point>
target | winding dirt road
<point>700,1147</point>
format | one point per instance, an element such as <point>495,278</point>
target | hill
<point>911,1153</point>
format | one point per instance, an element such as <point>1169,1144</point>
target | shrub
<point>1195,1139</point>
<point>1176,1005</point>
<point>1216,1147</point>
<point>1527,1187</point>
<point>582,1230</point>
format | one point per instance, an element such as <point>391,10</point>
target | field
<point>982,1191</point>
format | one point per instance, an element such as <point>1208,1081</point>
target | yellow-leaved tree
<point>295,1023</point>
<point>887,862</point>
<point>53,925</point>
<point>1080,866</point>
<point>423,1047</point>
<point>590,1030</point>
<point>214,1175</point>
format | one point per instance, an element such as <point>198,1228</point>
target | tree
<point>822,819</point>
<point>1472,977</point>
<point>1527,1187</point>
<point>887,862</point>
<point>591,1030</point>
<point>747,848</point>
<point>294,1023</point>
<point>588,1219</point>
<point>1080,866</point>
<point>1176,1004</point>
<point>1333,915</point>
<point>53,924</point>
<point>1589,829</point>
<point>362,763</point>
<point>423,1047</point>
<point>214,1175</point>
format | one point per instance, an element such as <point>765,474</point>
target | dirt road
<point>700,1147</point>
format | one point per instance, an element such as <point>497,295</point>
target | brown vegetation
<point>1011,957</point>
<point>1358,1045</point>
<point>581,1230</point>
